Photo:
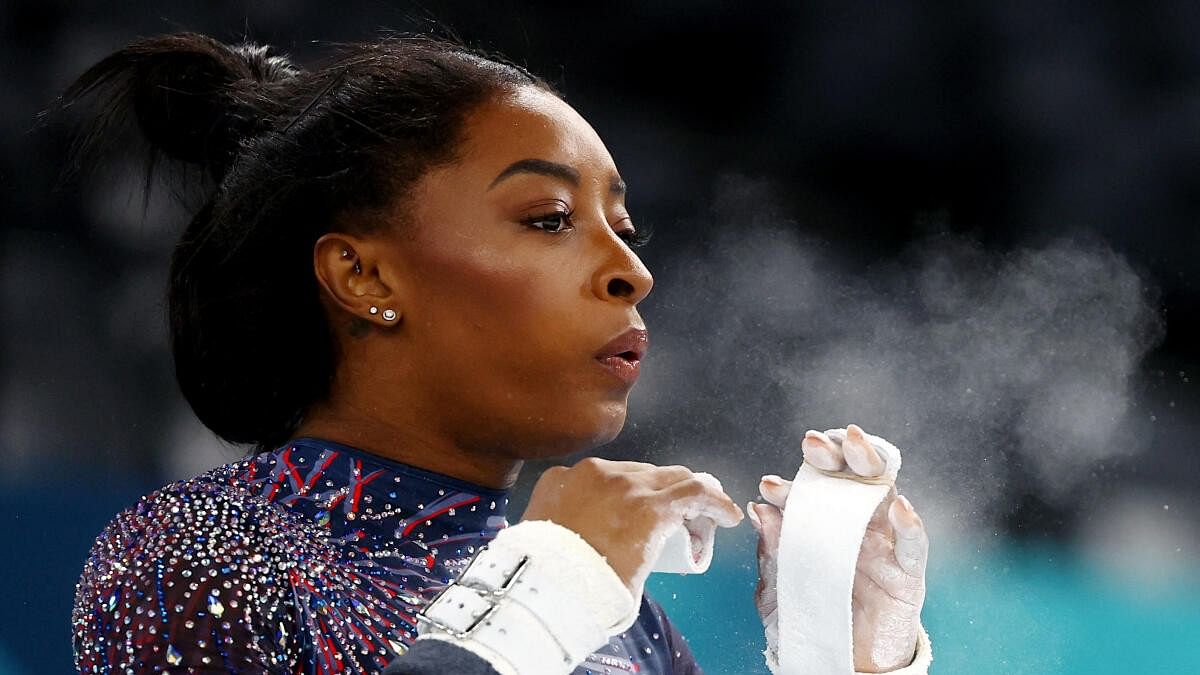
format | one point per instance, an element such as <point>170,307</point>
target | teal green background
<point>1008,609</point>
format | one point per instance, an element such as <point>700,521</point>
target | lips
<point>630,345</point>
<point>621,358</point>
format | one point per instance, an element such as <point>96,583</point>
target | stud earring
<point>389,314</point>
<point>374,309</point>
<point>345,253</point>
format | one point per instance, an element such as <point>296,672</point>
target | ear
<point>356,278</point>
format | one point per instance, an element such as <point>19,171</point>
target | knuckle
<point>641,504</point>
<point>613,480</point>
<point>589,463</point>
<point>551,474</point>
<point>678,472</point>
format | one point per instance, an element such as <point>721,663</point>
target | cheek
<point>505,314</point>
<point>510,341</point>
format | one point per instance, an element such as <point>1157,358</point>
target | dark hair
<point>284,156</point>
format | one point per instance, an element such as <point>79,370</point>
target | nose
<point>624,278</point>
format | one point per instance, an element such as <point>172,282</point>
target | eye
<point>553,222</point>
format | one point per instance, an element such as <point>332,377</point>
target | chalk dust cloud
<point>984,366</point>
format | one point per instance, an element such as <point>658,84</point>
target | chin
<point>601,429</point>
<point>609,425</point>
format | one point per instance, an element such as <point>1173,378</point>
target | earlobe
<point>389,314</point>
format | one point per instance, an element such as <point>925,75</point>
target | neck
<point>410,444</point>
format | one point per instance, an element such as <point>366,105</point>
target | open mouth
<point>630,356</point>
<point>622,355</point>
<point>627,357</point>
<point>624,365</point>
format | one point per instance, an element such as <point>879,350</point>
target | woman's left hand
<point>889,582</point>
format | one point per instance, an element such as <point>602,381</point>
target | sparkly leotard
<point>312,558</point>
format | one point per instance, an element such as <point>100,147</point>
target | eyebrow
<point>545,167</point>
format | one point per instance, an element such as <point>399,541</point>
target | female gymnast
<point>410,270</point>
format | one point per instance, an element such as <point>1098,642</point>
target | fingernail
<point>851,444</point>
<point>905,503</point>
<point>754,520</point>
<point>773,480</point>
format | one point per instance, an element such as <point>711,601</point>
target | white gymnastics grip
<point>823,527</point>
<point>689,547</point>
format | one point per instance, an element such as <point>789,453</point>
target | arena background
<point>969,227</point>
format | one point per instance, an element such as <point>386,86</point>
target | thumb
<point>769,525</point>
<point>766,520</point>
<point>775,489</point>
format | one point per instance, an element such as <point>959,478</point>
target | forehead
<point>529,123</point>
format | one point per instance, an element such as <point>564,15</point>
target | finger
<point>693,497</point>
<point>775,489</point>
<point>768,567</point>
<point>654,475</point>
<point>659,477</point>
<point>822,452</point>
<point>912,542</point>
<point>617,465</point>
<point>754,521</point>
<point>860,455</point>
<point>873,599</point>
<point>770,520</point>
<point>877,560</point>
<point>867,592</point>
<point>879,521</point>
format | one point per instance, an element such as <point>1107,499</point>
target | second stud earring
<point>389,314</point>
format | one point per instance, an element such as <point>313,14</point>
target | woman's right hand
<point>626,510</point>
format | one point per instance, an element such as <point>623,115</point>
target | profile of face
<point>510,270</point>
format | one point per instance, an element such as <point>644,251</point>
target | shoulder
<point>195,516</point>
<point>186,558</point>
<point>187,523</point>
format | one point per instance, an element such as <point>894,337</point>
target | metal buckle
<point>497,594</point>
<point>504,587</point>
<point>423,618</point>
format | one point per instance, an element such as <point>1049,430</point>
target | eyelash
<point>633,238</point>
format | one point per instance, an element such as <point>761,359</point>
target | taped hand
<point>889,581</point>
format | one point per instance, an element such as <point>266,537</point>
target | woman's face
<point>507,298</point>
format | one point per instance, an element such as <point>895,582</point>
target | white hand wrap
<point>689,547</point>
<point>536,589</point>
<point>823,526</point>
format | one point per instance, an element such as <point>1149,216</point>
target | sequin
<point>275,564</point>
<point>217,609</point>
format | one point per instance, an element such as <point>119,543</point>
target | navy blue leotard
<point>312,558</point>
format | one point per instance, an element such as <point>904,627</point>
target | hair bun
<point>193,98</point>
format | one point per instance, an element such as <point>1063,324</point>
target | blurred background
<point>970,228</point>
